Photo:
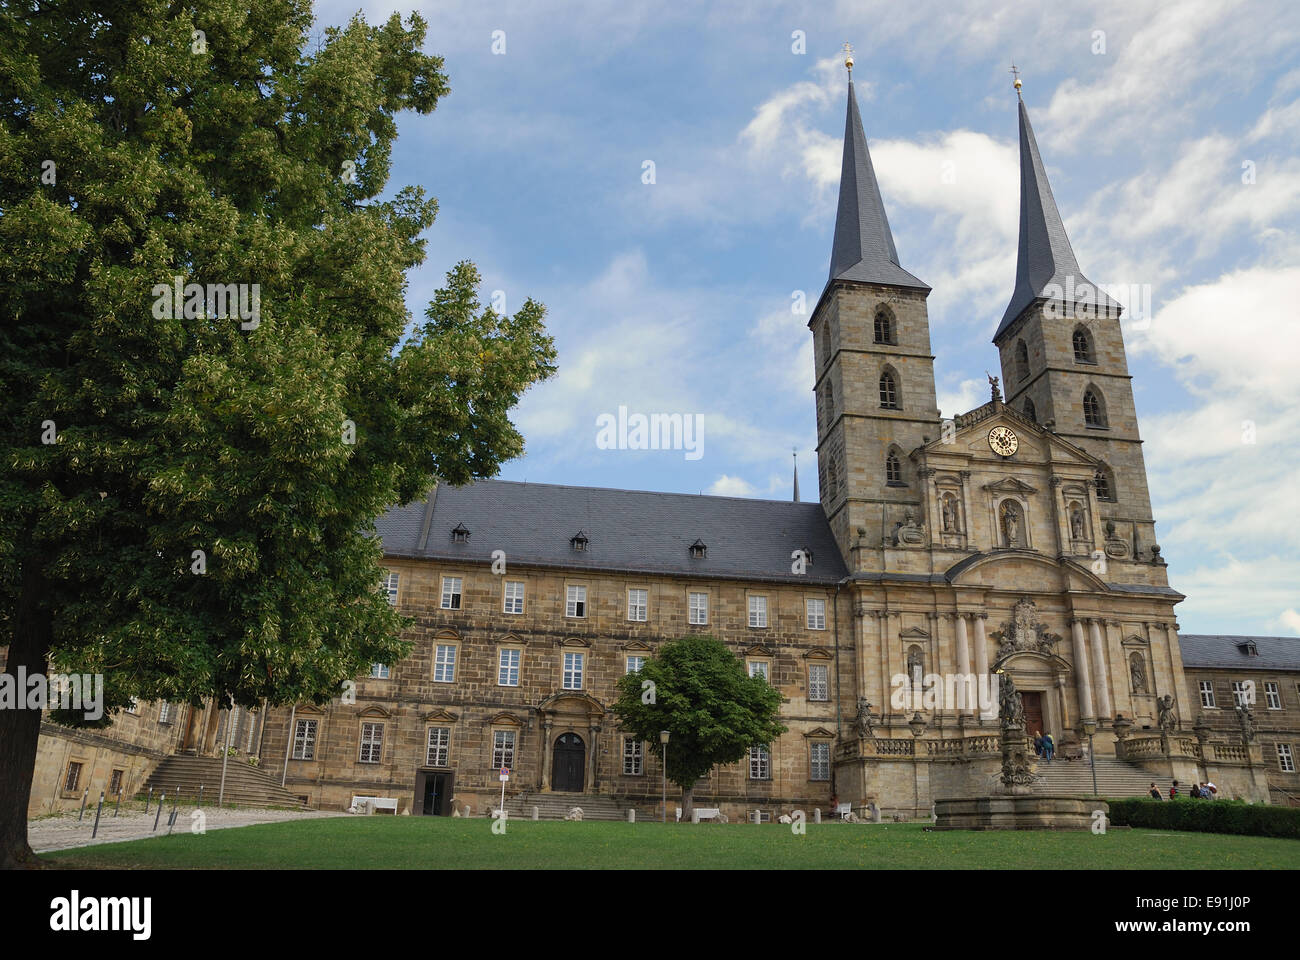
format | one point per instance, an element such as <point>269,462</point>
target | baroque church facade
<point>1015,540</point>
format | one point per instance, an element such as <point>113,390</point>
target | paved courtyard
<point>64,832</point>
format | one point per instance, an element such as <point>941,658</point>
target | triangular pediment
<point>637,646</point>
<point>967,435</point>
<point>1010,485</point>
<point>440,716</point>
<point>913,633</point>
<point>374,712</point>
<point>758,650</point>
<point>819,733</point>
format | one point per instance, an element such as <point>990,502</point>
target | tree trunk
<point>688,802</point>
<point>20,729</point>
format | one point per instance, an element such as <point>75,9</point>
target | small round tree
<point>698,691</point>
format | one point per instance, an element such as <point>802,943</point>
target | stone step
<point>1115,778</point>
<point>245,785</point>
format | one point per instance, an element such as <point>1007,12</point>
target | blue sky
<point>1170,134</point>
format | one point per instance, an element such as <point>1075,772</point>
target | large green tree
<point>698,691</point>
<point>187,500</point>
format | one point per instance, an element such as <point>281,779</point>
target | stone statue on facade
<point>909,531</point>
<point>1017,758</point>
<point>1246,719</point>
<point>1137,674</point>
<point>1011,523</point>
<point>949,516</point>
<point>862,723</point>
<point>993,386</point>
<point>1076,523</point>
<point>1166,719</point>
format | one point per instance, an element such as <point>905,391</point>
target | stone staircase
<point>245,785</point>
<point>1115,778</point>
<point>556,806</point>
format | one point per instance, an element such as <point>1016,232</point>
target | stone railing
<point>963,746</point>
<point>901,748</point>
<point>1140,748</point>
<point>1231,752</point>
<point>979,413</point>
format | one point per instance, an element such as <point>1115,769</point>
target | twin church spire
<point>863,248</point>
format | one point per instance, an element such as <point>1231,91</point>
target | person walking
<point>1173,790</point>
<point>1155,791</point>
<point>1038,743</point>
<point>1049,747</point>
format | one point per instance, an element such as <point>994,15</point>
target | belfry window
<point>1030,412</point>
<point>1093,413</point>
<point>893,470</point>
<point>888,391</point>
<point>1022,360</point>
<point>1083,347</point>
<point>884,327</point>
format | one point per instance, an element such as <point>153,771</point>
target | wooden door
<point>1033,707</point>
<point>569,762</point>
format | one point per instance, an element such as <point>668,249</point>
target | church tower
<point>1062,356</point>
<point>875,374</point>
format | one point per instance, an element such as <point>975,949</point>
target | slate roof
<point>1213,650</point>
<point>627,530</point>
<point>1045,255</point>
<point>863,248</point>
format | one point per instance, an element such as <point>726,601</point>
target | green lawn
<point>434,842</point>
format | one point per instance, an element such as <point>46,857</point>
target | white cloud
<point>727,486</point>
<point>1289,620</point>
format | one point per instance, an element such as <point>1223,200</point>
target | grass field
<point>442,843</point>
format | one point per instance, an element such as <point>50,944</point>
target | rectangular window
<point>372,742</point>
<point>115,783</point>
<point>503,749</point>
<point>1284,759</point>
<point>514,594</point>
<point>439,742</point>
<point>758,611</point>
<point>635,663</point>
<point>451,593</point>
<point>819,762</point>
<point>632,757</point>
<point>699,609</point>
<point>390,587</point>
<point>1273,696</point>
<point>304,740</point>
<point>637,601</point>
<point>760,763</point>
<point>759,668</point>
<point>816,614</point>
<point>508,668</point>
<point>73,780</point>
<point>576,602</point>
<point>819,681</point>
<point>133,706</point>
<point>1243,693</point>
<point>572,671</point>
<point>1207,693</point>
<point>379,671</point>
<point>444,664</point>
<point>164,712</point>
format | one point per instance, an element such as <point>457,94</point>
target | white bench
<point>386,804</point>
<point>702,813</point>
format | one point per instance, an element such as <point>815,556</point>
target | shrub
<point>1206,816</point>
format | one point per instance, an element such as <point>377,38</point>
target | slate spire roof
<point>863,248</point>
<point>1045,255</point>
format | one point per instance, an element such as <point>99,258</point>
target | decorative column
<point>546,754</point>
<point>593,782</point>
<point>966,518</point>
<point>981,652</point>
<point>1061,522</point>
<point>934,524</point>
<point>1081,671</point>
<point>963,705</point>
<point>1101,676</point>
<point>886,660</point>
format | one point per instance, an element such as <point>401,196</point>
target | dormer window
<point>460,534</point>
<point>578,541</point>
<point>698,550</point>
<point>1249,648</point>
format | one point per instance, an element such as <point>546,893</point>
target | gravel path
<point>64,832</point>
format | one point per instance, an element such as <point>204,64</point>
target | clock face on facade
<point>1003,441</point>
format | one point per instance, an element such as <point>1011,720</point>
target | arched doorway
<point>569,762</point>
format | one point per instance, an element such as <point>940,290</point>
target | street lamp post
<point>663,738</point>
<point>1090,727</point>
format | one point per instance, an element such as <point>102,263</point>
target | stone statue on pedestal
<point>1246,719</point>
<point>1166,719</point>
<point>862,722</point>
<point>1017,758</point>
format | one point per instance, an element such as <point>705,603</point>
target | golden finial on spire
<point>848,58</point>
<point>1016,73</point>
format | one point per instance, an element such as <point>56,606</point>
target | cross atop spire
<point>1045,264</point>
<point>863,248</point>
<point>1016,73</point>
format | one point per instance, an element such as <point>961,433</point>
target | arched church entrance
<point>568,763</point>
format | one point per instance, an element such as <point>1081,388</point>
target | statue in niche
<point>915,663</point>
<point>1076,523</point>
<point>862,723</point>
<point>1137,672</point>
<point>1011,523</point>
<point>949,515</point>
<point>1166,719</point>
